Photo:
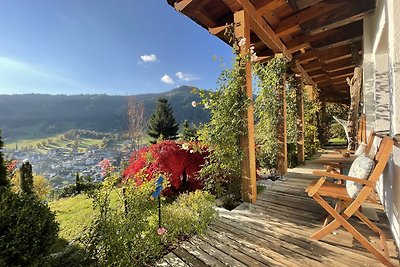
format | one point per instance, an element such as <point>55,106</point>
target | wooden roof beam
<point>292,23</point>
<point>305,75</point>
<point>218,30</point>
<point>193,9</point>
<point>338,65</point>
<point>301,4</point>
<point>328,39</point>
<point>261,28</point>
<point>264,6</point>
<point>339,17</point>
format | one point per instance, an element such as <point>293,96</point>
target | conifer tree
<point>4,182</point>
<point>26,181</point>
<point>188,132</point>
<point>162,124</point>
<point>78,183</point>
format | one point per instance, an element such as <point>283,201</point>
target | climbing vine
<point>227,124</point>
<point>311,142</point>
<point>267,109</point>
<point>291,120</point>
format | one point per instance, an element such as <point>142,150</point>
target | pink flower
<point>161,231</point>
<point>105,166</point>
<point>242,42</point>
<point>194,104</point>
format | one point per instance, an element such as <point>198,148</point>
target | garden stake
<point>155,194</point>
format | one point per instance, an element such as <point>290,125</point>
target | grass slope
<point>73,214</point>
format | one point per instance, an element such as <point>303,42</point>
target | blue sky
<point>103,46</point>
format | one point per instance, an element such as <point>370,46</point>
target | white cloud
<point>149,58</point>
<point>186,76</point>
<point>167,79</point>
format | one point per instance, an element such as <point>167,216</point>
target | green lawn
<point>73,214</point>
<point>338,142</point>
<point>57,141</point>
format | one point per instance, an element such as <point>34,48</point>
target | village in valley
<point>60,164</point>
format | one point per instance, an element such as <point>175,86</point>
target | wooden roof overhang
<point>322,38</point>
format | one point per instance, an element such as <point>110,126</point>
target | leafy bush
<point>189,214</point>
<point>85,186</point>
<point>125,229</point>
<point>27,229</point>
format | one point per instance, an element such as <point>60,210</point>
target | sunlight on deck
<point>275,232</point>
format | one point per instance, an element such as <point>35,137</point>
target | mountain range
<point>37,115</point>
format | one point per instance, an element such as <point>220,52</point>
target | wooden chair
<point>347,207</point>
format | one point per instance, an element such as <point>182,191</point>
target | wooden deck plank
<point>201,255</point>
<point>216,253</point>
<point>320,248</point>
<point>254,258</point>
<point>248,242</point>
<point>173,260</point>
<point>188,258</point>
<point>275,231</point>
<point>282,249</point>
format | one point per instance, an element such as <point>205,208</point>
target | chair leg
<point>377,230</point>
<point>342,221</point>
<point>332,226</point>
<point>338,208</point>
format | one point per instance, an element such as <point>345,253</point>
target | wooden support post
<point>300,121</point>
<point>282,132</point>
<point>323,123</point>
<point>247,142</point>
<point>355,89</point>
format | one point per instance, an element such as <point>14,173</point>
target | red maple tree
<point>178,162</point>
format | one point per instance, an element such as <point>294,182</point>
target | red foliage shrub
<point>179,163</point>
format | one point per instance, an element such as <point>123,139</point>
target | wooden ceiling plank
<point>292,23</point>
<point>339,17</point>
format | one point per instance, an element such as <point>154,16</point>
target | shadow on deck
<point>274,232</point>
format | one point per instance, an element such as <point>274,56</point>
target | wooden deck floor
<point>274,232</point>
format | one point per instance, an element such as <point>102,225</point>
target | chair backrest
<point>381,159</point>
<point>370,142</point>
<point>362,129</point>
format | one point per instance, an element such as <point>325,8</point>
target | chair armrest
<point>316,187</point>
<point>345,151</point>
<point>343,177</point>
<point>345,161</point>
<point>336,165</point>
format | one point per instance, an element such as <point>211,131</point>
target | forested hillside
<point>36,115</point>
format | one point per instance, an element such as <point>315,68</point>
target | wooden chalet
<point>328,42</point>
